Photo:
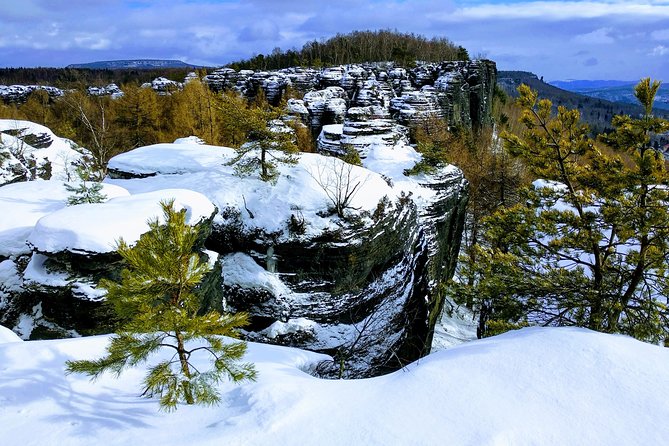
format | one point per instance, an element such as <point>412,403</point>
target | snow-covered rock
<point>258,205</point>
<point>288,256</point>
<point>58,253</point>
<point>163,86</point>
<point>413,107</point>
<point>112,90</point>
<point>93,228</point>
<point>273,84</point>
<point>25,203</point>
<point>363,128</point>
<point>326,106</point>
<point>34,151</point>
<point>20,93</point>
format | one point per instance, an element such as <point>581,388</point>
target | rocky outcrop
<point>459,91</point>
<point>110,90</point>
<point>326,106</point>
<point>413,106</point>
<point>54,288</point>
<point>163,86</point>
<point>363,128</point>
<point>360,287</point>
<point>20,93</point>
<point>364,294</point>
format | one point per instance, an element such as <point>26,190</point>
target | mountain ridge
<point>134,64</point>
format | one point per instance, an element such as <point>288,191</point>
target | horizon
<point>557,40</point>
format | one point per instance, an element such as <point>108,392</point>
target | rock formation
<point>358,282</point>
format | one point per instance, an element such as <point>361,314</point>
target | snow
<point>23,204</point>
<point>392,162</point>
<point>186,155</point>
<point>241,270</point>
<point>37,272</point>
<point>456,326</point>
<point>262,205</point>
<point>296,325</point>
<point>7,335</point>
<point>96,227</point>
<point>536,386</point>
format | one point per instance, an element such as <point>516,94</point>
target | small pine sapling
<point>86,191</point>
<point>158,302</point>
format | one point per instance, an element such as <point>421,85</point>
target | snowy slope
<point>535,386</point>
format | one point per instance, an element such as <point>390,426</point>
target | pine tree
<point>589,244</point>
<point>86,191</point>
<point>269,141</point>
<point>158,302</point>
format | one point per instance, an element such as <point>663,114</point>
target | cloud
<point>560,10</point>
<point>659,50</point>
<point>660,34</point>
<point>599,36</point>
<point>262,30</point>
<point>539,36</point>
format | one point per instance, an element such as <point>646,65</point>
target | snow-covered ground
<point>538,386</point>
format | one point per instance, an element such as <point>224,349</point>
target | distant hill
<point>578,85</point>
<point>614,91</point>
<point>137,64</point>
<point>595,111</point>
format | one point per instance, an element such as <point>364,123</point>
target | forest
<point>359,47</point>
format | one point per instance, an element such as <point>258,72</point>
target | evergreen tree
<point>589,243</point>
<point>159,304</point>
<point>269,140</point>
<point>86,191</point>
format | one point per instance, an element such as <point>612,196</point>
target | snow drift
<point>538,386</point>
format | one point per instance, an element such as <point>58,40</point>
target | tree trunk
<point>263,164</point>
<point>185,369</point>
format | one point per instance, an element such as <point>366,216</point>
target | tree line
<point>358,47</point>
<point>80,78</point>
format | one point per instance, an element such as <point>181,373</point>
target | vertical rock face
<point>414,106</point>
<point>480,77</point>
<point>326,106</point>
<point>460,91</point>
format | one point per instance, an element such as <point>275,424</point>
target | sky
<point>559,40</point>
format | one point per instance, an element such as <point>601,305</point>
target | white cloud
<point>540,36</point>
<point>659,50</point>
<point>597,37</point>
<point>660,34</point>
<point>559,10</point>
